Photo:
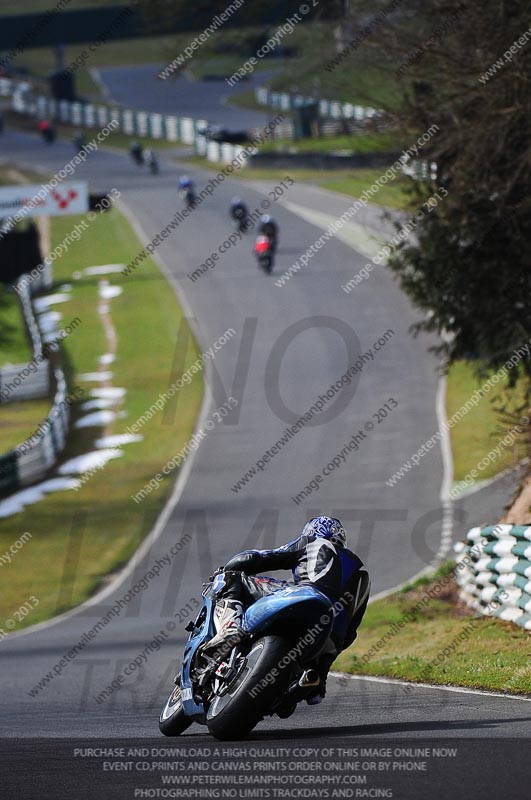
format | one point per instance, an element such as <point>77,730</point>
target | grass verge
<point>82,536</point>
<point>18,421</point>
<point>354,182</point>
<point>477,433</point>
<point>355,143</point>
<point>488,653</point>
<point>14,345</point>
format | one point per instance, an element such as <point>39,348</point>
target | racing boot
<point>318,695</point>
<point>228,616</point>
<point>322,669</point>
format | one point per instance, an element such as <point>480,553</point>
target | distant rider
<point>151,161</point>
<point>186,184</point>
<point>319,557</point>
<point>137,152</point>
<point>78,140</point>
<point>47,131</point>
<point>187,190</point>
<point>268,227</point>
<point>239,212</point>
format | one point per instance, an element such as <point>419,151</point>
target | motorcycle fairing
<point>199,635</point>
<point>297,607</point>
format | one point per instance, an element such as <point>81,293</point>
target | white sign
<point>70,197</point>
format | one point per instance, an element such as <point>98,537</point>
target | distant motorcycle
<point>47,131</point>
<point>151,161</point>
<point>232,689</point>
<point>240,214</point>
<point>189,197</point>
<point>136,152</point>
<point>264,252</point>
<point>269,228</point>
<point>79,142</point>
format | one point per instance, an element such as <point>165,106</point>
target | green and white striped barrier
<point>332,110</point>
<point>495,574</point>
<point>142,124</point>
<point>139,124</point>
<point>328,109</point>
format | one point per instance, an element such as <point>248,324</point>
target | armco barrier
<point>24,289</point>
<point>32,380</point>
<point>31,460</point>
<point>497,577</point>
<point>24,382</point>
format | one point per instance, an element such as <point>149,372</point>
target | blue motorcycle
<point>264,669</point>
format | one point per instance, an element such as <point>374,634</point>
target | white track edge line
<point>459,689</point>
<point>447,502</point>
<point>448,472</point>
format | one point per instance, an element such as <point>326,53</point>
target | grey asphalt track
<point>140,87</point>
<point>395,530</point>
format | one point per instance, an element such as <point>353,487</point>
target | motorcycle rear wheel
<point>266,262</point>
<point>234,714</point>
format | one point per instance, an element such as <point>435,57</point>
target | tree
<point>179,15</point>
<point>469,269</point>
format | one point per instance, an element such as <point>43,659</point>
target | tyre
<point>234,714</point>
<point>266,262</point>
<point>172,720</point>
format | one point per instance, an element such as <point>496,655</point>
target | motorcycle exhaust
<point>310,677</point>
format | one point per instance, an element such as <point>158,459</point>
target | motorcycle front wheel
<point>233,714</point>
<point>172,720</point>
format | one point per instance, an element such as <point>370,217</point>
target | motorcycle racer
<point>238,209</point>
<point>268,227</point>
<point>319,557</point>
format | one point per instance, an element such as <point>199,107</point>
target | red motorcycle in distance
<point>264,251</point>
<point>47,131</point>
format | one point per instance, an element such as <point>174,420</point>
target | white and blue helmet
<point>326,528</point>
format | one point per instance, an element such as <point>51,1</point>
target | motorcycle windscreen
<point>298,612</point>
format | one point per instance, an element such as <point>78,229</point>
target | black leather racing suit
<point>269,229</point>
<point>333,569</point>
